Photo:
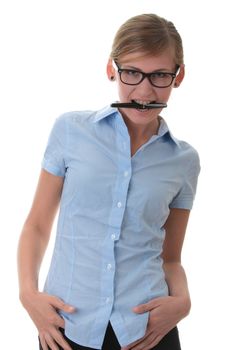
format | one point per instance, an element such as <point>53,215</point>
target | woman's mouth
<point>143,105</point>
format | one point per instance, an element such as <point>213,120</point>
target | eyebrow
<point>139,70</point>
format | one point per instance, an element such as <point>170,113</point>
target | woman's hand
<point>43,310</point>
<point>164,314</point>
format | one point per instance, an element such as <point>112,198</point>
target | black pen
<point>138,105</point>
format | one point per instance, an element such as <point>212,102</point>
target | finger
<point>131,345</point>
<point>152,304</point>
<point>145,343</point>
<point>59,322</point>
<point>61,341</point>
<point>51,343</point>
<point>54,319</point>
<point>155,342</point>
<point>43,345</point>
<point>60,305</point>
<point>140,309</point>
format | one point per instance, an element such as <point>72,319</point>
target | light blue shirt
<point>107,254</point>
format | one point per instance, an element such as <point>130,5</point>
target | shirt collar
<point>103,113</point>
<point>163,130</point>
<point>108,110</point>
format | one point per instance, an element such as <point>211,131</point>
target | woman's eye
<point>133,73</point>
<point>160,75</point>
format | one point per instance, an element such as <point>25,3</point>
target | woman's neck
<point>140,134</point>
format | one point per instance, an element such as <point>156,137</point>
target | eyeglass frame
<point>146,75</point>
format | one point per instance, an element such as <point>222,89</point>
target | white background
<point>53,55</point>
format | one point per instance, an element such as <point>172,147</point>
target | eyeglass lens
<point>159,79</point>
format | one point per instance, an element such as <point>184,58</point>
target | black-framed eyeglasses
<point>158,79</point>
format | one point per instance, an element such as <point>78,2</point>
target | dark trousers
<point>169,342</point>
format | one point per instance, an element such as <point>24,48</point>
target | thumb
<point>142,308</point>
<point>60,305</point>
<point>68,308</point>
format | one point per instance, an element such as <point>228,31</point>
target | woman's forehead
<point>145,59</point>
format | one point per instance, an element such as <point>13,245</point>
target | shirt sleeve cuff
<point>182,205</point>
<point>52,169</point>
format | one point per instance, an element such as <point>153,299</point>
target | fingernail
<point>71,308</point>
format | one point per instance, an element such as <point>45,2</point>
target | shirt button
<point>113,237</point>
<point>126,173</point>
<point>109,266</point>
<point>119,204</point>
<point>107,300</point>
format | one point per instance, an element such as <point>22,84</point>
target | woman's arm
<point>166,312</point>
<point>33,241</point>
<point>36,230</point>
<point>174,272</point>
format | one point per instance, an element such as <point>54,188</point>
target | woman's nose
<point>146,88</point>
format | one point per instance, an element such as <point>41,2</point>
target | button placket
<point>120,191</point>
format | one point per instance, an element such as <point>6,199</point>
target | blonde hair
<point>149,34</point>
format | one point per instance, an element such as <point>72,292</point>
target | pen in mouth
<point>137,105</point>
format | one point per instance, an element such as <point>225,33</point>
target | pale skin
<point>165,312</point>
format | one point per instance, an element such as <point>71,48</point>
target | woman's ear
<point>110,70</point>
<point>180,76</point>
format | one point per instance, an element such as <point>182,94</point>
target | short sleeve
<point>185,197</point>
<point>54,156</point>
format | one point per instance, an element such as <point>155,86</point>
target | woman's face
<point>144,92</point>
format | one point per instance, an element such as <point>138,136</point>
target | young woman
<point>125,186</point>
